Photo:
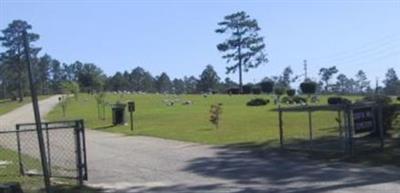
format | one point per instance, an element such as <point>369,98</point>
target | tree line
<point>245,48</point>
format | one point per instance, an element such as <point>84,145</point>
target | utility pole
<point>305,70</point>
<point>36,112</point>
<point>376,85</point>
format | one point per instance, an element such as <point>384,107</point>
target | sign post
<point>131,109</point>
<point>37,114</point>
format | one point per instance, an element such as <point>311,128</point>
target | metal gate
<point>65,149</point>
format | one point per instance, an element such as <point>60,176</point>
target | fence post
<point>381,127</point>
<point>21,166</point>
<point>339,120</point>
<point>78,152</point>
<point>280,128</point>
<point>48,148</point>
<point>349,131</point>
<point>82,128</point>
<point>310,127</point>
<point>36,112</point>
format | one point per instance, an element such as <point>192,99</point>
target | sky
<point>177,37</point>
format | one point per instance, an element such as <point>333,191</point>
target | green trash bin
<point>118,114</point>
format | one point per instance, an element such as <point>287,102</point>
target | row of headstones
<point>173,101</point>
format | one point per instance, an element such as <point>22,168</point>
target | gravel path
<point>122,164</point>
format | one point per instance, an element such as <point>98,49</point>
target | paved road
<point>24,114</point>
<point>122,164</point>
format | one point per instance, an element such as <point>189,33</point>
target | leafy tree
<point>190,84</point>
<point>42,71</point>
<point>101,103</point>
<point>71,87</point>
<point>136,78</point>
<point>392,82</point>
<point>326,74</point>
<point>267,85</point>
<point>117,82</point>
<point>215,114</point>
<point>341,83</point>
<point>244,47</point>
<point>70,72</point>
<point>64,102</point>
<point>362,81</point>
<point>56,74</point>
<point>308,87</point>
<point>163,83</point>
<point>227,84</point>
<point>247,88</point>
<point>12,57</point>
<point>209,80</point>
<point>91,77</point>
<point>286,78</point>
<point>178,86</point>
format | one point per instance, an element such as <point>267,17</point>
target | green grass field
<point>239,123</point>
<point>9,173</point>
<point>7,105</point>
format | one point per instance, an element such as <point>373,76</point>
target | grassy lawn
<point>7,105</point>
<point>239,123</point>
<point>9,173</point>
<point>241,126</point>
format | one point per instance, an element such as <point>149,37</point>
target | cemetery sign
<point>363,119</point>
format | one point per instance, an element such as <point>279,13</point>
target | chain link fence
<point>325,133</point>
<point>357,128</point>
<point>65,154</point>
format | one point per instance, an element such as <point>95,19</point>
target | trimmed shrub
<point>382,99</point>
<point>267,86</point>
<point>314,99</point>
<point>287,100</point>
<point>215,114</point>
<point>233,91</point>
<point>299,100</point>
<point>291,92</point>
<point>247,88</point>
<point>257,102</point>
<point>308,87</point>
<point>338,101</point>
<point>256,90</point>
<point>398,98</point>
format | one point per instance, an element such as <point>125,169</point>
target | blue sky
<point>178,36</point>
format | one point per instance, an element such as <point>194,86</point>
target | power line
<point>381,45</point>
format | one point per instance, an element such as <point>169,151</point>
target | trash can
<point>118,114</point>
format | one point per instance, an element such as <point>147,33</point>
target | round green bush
<point>299,100</point>
<point>267,86</point>
<point>287,100</point>
<point>338,101</point>
<point>291,92</point>
<point>383,99</point>
<point>257,102</point>
<point>308,87</point>
<point>233,91</point>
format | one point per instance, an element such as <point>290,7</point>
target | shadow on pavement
<point>258,170</point>
<point>248,168</point>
